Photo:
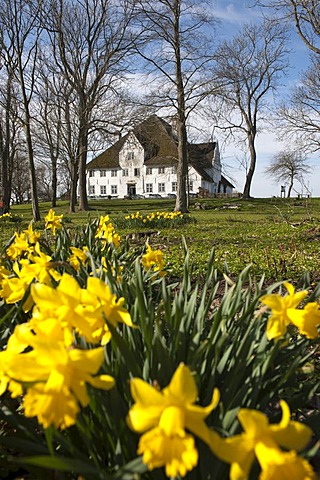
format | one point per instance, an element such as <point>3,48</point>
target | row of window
<point>149,188</point>
<point>125,172</point>
<point>103,190</point>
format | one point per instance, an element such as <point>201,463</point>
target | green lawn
<point>279,237</point>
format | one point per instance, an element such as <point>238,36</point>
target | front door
<point>131,189</point>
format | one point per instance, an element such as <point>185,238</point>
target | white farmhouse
<point>144,162</point>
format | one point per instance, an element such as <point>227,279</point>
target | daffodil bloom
<point>103,220</point>
<point>99,305</point>
<point>61,304</point>
<point>40,267</point>
<point>13,348</point>
<point>79,257</point>
<point>107,233</point>
<point>19,246</point>
<point>14,287</point>
<point>51,407</point>
<point>53,221</point>
<point>165,416</point>
<point>278,465</point>
<point>306,319</point>
<point>4,272</point>
<point>263,440</point>
<point>279,319</point>
<point>32,235</point>
<point>153,260</point>
<point>56,377</point>
<point>87,310</point>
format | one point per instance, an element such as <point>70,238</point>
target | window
<point>130,155</point>
<point>91,190</point>
<point>125,172</point>
<point>149,171</point>
<point>114,189</point>
<point>149,187</point>
<point>137,172</point>
<point>161,187</point>
<point>91,173</point>
<point>190,186</point>
<point>174,186</point>
<point>174,169</point>
<point>161,170</point>
<point>103,173</point>
<point>114,173</point>
<point>103,190</point>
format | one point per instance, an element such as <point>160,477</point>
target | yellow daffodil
<point>279,319</point>
<point>32,235</point>
<point>306,319</point>
<point>53,221</point>
<point>107,233</point>
<point>87,310</point>
<point>100,304</point>
<point>103,220</point>
<point>19,246</point>
<point>40,267</point>
<point>14,347</point>
<point>79,257</point>
<point>51,407</point>
<point>165,416</point>
<point>263,440</point>
<point>14,287</point>
<point>4,272</point>
<point>153,260</point>
<point>61,304</point>
<point>278,465</point>
<point>56,376</point>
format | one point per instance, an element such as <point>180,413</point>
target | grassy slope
<point>280,237</point>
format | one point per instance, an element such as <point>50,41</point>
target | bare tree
<point>246,74</point>
<point>299,114</point>
<point>47,129</point>
<point>288,166</point>
<point>89,40</point>
<point>304,14</point>
<point>10,133</point>
<point>19,38</point>
<point>21,188</point>
<point>175,56</point>
<point>44,182</point>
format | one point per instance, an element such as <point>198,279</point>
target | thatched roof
<point>109,158</point>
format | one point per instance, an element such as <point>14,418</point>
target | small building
<point>144,162</point>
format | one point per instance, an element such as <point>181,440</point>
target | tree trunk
<point>54,183</point>
<point>32,171</point>
<point>83,197</point>
<point>5,160</point>
<point>27,129</point>
<point>182,170</point>
<point>290,188</point>
<point>73,185</point>
<point>252,166</point>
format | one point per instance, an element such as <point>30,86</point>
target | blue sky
<point>232,15</point>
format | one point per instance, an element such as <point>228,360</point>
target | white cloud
<point>234,13</point>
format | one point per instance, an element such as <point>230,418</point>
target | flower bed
<point>110,370</point>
